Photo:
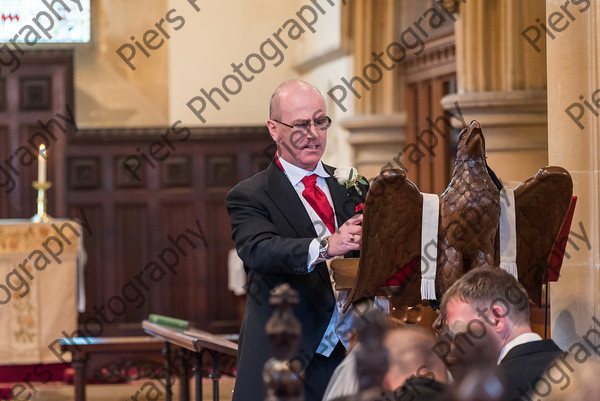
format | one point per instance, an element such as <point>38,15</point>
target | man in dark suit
<point>489,304</point>
<point>287,221</point>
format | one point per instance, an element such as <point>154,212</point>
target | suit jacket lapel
<point>286,199</point>
<point>343,205</point>
<point>531,347</point>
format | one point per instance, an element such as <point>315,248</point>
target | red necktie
<point>317,199</point>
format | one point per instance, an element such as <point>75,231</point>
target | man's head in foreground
<point>410,354</point>
<point>298,123</point>
<point>486,303</point>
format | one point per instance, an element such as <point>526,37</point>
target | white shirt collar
<point>296,174</point>
<point>522,339</point>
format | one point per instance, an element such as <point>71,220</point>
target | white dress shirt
<point>522,339</point>
<point>295,175</point>
<point>340,325</point>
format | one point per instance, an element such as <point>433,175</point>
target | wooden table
<point>196,342</point>
<point>81,349</point>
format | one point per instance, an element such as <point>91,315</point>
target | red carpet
<point>24,374</point>
<point>36,373</point>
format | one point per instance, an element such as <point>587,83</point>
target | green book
<point>169,321</point>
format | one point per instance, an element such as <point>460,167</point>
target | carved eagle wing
<point>541,205</point>
<point>391,239</point>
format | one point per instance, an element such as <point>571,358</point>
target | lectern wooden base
<point>344,274</point>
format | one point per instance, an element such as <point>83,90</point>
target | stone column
<point>502,83</point>
<point>378,125</point>
<point>376,140</point>
<point>574,72</point>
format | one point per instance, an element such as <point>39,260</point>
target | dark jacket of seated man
<point>524,364</point>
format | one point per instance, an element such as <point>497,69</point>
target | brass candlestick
<point>41,216</point>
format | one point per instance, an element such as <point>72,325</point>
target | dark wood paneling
<point>130,219</point>
<point>96,251</point>
<point>2,94</point>
<point>6,176</point>
<point>39,89</point>
<point>221,243</point>
<point>131,242</point>
<point>431,172</point>
<point>132,226</point>
<point>429,78</point>
<point>183,291</point>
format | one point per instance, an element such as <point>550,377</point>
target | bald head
<point>410,353</point>
<point>288,88</point>
<point>295,108</point>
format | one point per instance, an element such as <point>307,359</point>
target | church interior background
<point>169,99</point>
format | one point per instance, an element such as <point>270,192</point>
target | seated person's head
<point>393,323</point>
<point>410,354</point>
<point>486,304</point>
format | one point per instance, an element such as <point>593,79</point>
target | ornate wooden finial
<point>284,330</point>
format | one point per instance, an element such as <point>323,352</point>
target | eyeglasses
<point>320,123</point>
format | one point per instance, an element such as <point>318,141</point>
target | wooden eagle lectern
<point>468,234</point>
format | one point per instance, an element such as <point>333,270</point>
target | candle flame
<point>42,151</point>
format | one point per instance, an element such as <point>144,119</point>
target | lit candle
<point>42,165</point>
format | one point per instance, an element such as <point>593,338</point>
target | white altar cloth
<point>41,287</point>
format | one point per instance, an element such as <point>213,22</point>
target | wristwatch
<point>323,247</point>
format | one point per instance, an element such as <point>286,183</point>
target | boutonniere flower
<point>349,178</point>
<point>359,208</point>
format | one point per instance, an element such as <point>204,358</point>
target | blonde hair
<point>486,287</point>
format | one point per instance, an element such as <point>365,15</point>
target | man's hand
<point>347,238</point>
